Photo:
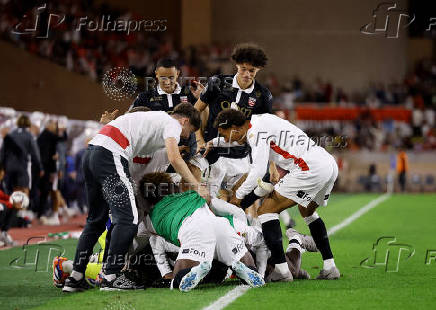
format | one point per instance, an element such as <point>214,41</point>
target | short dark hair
<point>166,63</point>
<point>23,121</point>
<point>188,110</point>
<point>155,186</point>
<point>249,53</point>
<point>229,117</point>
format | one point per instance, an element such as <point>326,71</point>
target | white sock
<point>77,275</point>
<point>294,245</point>
<point>263,218</point>
<point>110,277</point>
<point>67,266</point>
<point>282,268</point>
<point>286,218</point>
<point>311,218</point>
<point>329,264</point>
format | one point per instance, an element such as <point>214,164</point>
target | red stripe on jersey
<point>115,134</point>
<point>297,161</point>
<point>141,160</point>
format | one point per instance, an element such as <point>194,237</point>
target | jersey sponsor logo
<point>158,98</point>
<point>303,195</point>
<point>225,105</point>
<point>234,106</point>
<point>251,101</point>
<point>238,248</point>
<point>194,252</point>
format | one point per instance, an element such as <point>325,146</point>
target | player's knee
<point>127,229</point>
<point>309,210</point>
<point>94,228</point>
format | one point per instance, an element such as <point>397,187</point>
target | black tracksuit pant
<point>108,187</point>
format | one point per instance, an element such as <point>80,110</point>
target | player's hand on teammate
<point>106,117</point>
<point>196,89</point>
<point>208,146</point>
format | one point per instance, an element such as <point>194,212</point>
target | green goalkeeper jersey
<point>168,214</point>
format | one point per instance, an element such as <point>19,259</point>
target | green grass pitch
<point>397,281</point>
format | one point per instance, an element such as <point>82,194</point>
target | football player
<point>312,173</point>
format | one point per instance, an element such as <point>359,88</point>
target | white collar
<point>177,91</point>
<point>236,85</point>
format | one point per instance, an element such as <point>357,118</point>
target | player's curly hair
<point>155,186</point>
<point>229,117</point>
<point>249,53</point>
<point>188,110</point>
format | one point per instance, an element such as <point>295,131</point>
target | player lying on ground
<point>185,218</point>
<point>312,173</point>
<point>106,169</point>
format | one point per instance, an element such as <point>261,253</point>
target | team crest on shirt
<point>258,94</point>
<point>157,98</point>
<point>184,99</point>
<point>251,101</point>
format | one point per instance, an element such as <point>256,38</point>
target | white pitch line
<point>240,290</point>
<point>372,204</point>
<point>225,300</point>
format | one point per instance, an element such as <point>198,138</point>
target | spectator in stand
<point>47,142</point>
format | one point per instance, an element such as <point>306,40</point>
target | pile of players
<point>176,188</point>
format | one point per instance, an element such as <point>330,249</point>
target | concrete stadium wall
<point>29,83</point>
<point>315,38</point>
<point>357,164</point>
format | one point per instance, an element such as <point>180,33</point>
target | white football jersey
<point>138,134</point>
<point>274,139</point>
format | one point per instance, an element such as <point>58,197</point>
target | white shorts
<point>312,185</point>
<point>197,236</point>
<point>200,162</point>
<point>252,234</point>
<point>230,247</point>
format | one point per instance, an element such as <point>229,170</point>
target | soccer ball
<point>20,198</point>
